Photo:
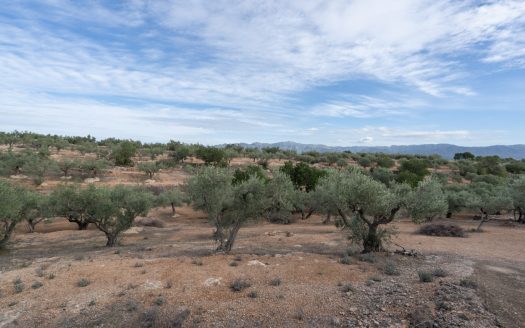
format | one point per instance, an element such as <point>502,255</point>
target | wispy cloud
<point>245,64</point>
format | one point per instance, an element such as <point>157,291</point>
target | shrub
<point>252,294</point>
<point>83,282</point>
<point>92,303</point>
<point>233,264</point>
<point>19,285</point>
<point>425,276</point>
<point>442,230</point>
<point>275,282</point>
<point>390,269</point>
<point>367,257</point>
<point>159,301</point>
<point>37,284</point>
<point>468,283</point>
<point>439,272</point>
<point>239,284</point>
<point>345,260</point>
<point>347,288</point>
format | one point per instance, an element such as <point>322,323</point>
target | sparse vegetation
<point>390,269</point>
<point>239,284</point>
<point>275,282</point>
<point>83,282</point>
<point>347,260</point>
<point>425,276</point>
<point>468,283</point>
<point>442,230</point>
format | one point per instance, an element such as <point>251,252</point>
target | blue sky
<point>341,72</point>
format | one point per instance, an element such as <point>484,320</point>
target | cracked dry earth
<point>169,277</point>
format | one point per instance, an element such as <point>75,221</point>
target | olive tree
<point>492,199</point>
<point>517,190</point>
<point>281,195</point>
<point>427,200</point>
<point>73,202</point>
<point>227,205</point>
<point>364,205</point>
<point>149,168</point>
<point>173,197</point>
<point>210,191</point>
<point>113,210</point>
<point>66,165</point>
<point>36,209</point>
<point>460,198</point>
<point>12,202</point>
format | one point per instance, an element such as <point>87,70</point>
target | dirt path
<point>502,285</point>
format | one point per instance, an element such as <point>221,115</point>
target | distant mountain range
<point>445,150</point>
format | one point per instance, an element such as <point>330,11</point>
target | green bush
<point>347,260</point>
<point>468,283</point>
<point>83,282</point>
<point>239,284</point>
<point>425,276</point>
<point>390,269</point>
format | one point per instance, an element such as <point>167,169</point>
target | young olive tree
<point>73,202</point>
<point>228,205</point>
<point>37,208</point>
<point>66,165</point>
<point>427,201</point>
<point>113,210</point>
<point>492,199</point>
<point>173,197</point>
<point>149,168</point>
<point>12,203</point>
<point>210,191</point>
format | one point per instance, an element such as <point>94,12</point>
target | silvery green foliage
<point>211,191</point>
<point>228,205</point>
<point>517,190</point>
<point>281,195</point>
<point>427,201</point>
<point>13,206</point>
<point>491,198</point>
<point>347,192</point>
<point>460,197</point>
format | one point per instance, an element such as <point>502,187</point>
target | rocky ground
<point>170,277</point>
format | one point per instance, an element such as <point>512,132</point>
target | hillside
<point>445,150</point>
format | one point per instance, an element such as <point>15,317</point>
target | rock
<point>133,230</point>
<point>91,180</point>
<point>149,181</point>
<point>212,282</point>
<point>66,178</point>
<point>257,263</point>
<point>152,284</point>
<point>18,176</point>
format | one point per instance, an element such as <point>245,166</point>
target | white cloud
<point>244,62</point>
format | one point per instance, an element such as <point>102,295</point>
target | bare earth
<point>126,282</point>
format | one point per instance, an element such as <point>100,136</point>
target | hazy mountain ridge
<point>445,150</point>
